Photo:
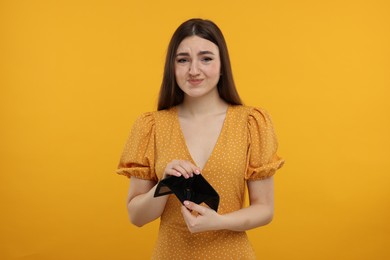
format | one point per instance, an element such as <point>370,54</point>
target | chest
<point>219,147</point>
<point>201,137</point>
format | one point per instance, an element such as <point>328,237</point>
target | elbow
<point>136,222</point>
<point>268,216</point>
<point>134,218</point>
<point>265,215</point>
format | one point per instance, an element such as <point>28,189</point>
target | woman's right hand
<point>181,168</point>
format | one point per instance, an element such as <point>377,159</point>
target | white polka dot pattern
<point>245,150</point>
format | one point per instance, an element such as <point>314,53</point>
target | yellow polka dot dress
<point>245,150</point>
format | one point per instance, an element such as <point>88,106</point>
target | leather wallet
<point>195,189</point>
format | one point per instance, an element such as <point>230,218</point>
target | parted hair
<point>170,93</point>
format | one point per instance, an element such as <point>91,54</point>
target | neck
<point>202,106</point>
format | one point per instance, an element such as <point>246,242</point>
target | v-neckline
<point>184,142</point>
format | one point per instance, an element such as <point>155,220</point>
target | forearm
<point>247,218</point>
<point>145,208</point>
<point>259,213</point>
<point>142,206</point>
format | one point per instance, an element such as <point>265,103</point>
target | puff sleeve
<point>138,156</point>
<point>262,160</point>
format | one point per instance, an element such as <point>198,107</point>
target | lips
<point>195,82</point>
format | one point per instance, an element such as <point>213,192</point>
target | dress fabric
<point>245,150</point>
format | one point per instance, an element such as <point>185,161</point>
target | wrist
<point>222,223</point>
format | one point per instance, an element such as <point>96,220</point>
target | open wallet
<point>195,189</point>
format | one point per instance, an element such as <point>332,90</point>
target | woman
<point>201,127</point>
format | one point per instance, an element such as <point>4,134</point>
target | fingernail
<point>186,203</point>
<point>197,171</point>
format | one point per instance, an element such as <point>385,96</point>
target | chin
<point>198,92</point>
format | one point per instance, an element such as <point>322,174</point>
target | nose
<point>194,69</point>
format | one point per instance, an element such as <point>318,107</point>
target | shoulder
<point>165,116</point>
<point>251,112</point>
<point>153,117</point>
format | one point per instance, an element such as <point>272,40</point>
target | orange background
<point>75,74</point>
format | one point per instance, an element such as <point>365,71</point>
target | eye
<point>182,60</point>
<point>207,59</point>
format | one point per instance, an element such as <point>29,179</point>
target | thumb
<point>195,207</point>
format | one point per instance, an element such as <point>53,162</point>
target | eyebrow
<point>200,53</point>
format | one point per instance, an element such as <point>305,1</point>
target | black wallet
<point>195,189</point>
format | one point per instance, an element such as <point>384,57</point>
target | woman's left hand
<point>204,219</point>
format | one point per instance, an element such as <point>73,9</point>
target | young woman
<point>201,127</point>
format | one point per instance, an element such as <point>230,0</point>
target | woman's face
<point>197,66</point>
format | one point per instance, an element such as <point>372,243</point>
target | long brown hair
<point>170,93</point>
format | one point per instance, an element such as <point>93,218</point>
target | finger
<point>192,167</point>
<point>173,172</point>
<point>182,171</point>
<point>189,218</point>
<point>193,206</point>
<point>195,169</point>
<point>189,167</point>
<point>182,167</point>
<point>187,214</point>
<point>170,171</point>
